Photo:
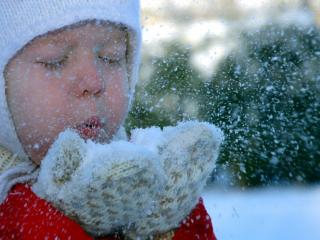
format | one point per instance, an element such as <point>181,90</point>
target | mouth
<point>92,129</point>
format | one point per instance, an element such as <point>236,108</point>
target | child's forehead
<point>91,31</point>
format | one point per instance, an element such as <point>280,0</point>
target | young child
<point>73,64</point>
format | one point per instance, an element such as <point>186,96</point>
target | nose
<point>86,79</point>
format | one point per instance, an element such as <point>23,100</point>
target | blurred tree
<point>174,84</point>
<point>266,97</point>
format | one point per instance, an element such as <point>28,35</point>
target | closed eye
<point>111,60</point>
<point>54,64</point>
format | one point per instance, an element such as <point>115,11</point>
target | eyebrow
<point>56,40</point>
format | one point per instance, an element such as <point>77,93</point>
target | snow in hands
<point>187,153</point>
<point>144,186</point>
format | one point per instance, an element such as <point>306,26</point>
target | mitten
<point>187,153</point>
<point>101,186</point>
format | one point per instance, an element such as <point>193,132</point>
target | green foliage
<point>265,96</point>
<point>173,82</point>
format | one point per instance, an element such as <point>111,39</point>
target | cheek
<point>36,93</point>
<point>117,97</point>
<point>35,105</point>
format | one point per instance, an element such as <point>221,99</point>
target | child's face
<point>71,78</point>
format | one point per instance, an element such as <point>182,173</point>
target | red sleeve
<point>197,226</point>
<point>24,216</point>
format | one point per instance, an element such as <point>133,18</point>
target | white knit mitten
<point>102,187</point>
<point>188,153</point>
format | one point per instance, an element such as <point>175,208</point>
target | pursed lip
<point>90,128</point>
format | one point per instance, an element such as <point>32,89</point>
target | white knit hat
<point>23,20</point>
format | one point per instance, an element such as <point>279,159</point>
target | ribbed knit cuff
<point>164,236</point>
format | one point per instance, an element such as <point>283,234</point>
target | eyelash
<point>55,65</point>
<point>111,61</point>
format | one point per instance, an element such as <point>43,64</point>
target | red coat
<point>24,216</point>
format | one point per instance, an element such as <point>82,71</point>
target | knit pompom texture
<point>188,153</point>
<point>102,186</point>
<point>145,186</point>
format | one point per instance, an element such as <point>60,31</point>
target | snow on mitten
<point>101,186</point>
<point>188,153</point>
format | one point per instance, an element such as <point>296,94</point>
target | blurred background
<point>251,67</point>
